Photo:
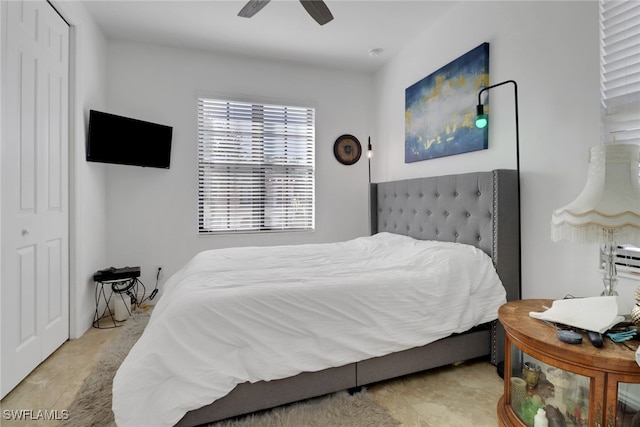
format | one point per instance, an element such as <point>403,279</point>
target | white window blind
<point>256,167</point>
<point>620,70</point>
<point>620,89</point>
<point>628,259</point>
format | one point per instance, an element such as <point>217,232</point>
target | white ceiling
<point>282,30</point>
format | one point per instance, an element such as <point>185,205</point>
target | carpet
<point>92,404</point>
<point>335,410</point>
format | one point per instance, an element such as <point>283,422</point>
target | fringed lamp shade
<point>609,201</point>
<point>608,209</point>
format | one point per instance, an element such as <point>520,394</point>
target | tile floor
<point>453,396</point>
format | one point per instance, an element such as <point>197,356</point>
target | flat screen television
<point>127,141</point>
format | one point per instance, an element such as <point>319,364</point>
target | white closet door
<point>34,277</point>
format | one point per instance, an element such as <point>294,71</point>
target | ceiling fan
<point>316,8</point>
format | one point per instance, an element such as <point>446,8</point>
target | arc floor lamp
<point>481,122</point>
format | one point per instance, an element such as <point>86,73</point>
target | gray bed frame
<point>478,209</point>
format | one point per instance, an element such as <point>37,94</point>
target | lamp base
<point>610,279</point>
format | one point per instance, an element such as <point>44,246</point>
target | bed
<point>415,221</point>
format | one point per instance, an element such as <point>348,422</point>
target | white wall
<point>551,50</point>
<point>87,182</point>
<point>152,213</point>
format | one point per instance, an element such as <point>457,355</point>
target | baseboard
<point>83,324</point>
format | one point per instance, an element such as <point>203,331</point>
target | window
<point>620,89</point>
<point>628,259</point>
<point>620,70</point>
<point>255,167</point>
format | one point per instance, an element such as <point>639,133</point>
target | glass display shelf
<point>534,384</point>
<point>628,406</point>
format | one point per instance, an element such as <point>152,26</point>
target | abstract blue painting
<point>440,109</point>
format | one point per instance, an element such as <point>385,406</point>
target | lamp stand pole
<point>369,154</point>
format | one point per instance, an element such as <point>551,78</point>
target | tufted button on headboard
<point>455,208</point>
<point>479,209</point>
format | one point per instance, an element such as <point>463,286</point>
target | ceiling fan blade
<point>318,10</point>
<point>253,7</point>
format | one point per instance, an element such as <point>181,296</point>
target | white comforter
<point>249,314</point>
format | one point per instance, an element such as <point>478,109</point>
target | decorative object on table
<point>347,149</point>
<point>635,311</point>
<point>529,408</point>
<point>540,420</point>
<point>577,411</point>
<point>608,209</point>
<point>531,374</point>
<point>518,391</point>
<point>554,416</point>
<point>544,387</point>
<point>438,122</point>
<point>561,382</point>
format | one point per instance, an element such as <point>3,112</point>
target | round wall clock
<point>347,149</point>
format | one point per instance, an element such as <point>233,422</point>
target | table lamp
<point>608,209</point>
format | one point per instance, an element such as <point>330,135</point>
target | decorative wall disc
<point>347,149</point>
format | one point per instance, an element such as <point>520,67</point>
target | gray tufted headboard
<point>479,209</point>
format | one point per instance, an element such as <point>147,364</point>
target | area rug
<point>335,410</point>
<point>92,404</point>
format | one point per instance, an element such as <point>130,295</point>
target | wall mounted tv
<point>127,141</point>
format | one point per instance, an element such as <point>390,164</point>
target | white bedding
<point>249,314</point>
